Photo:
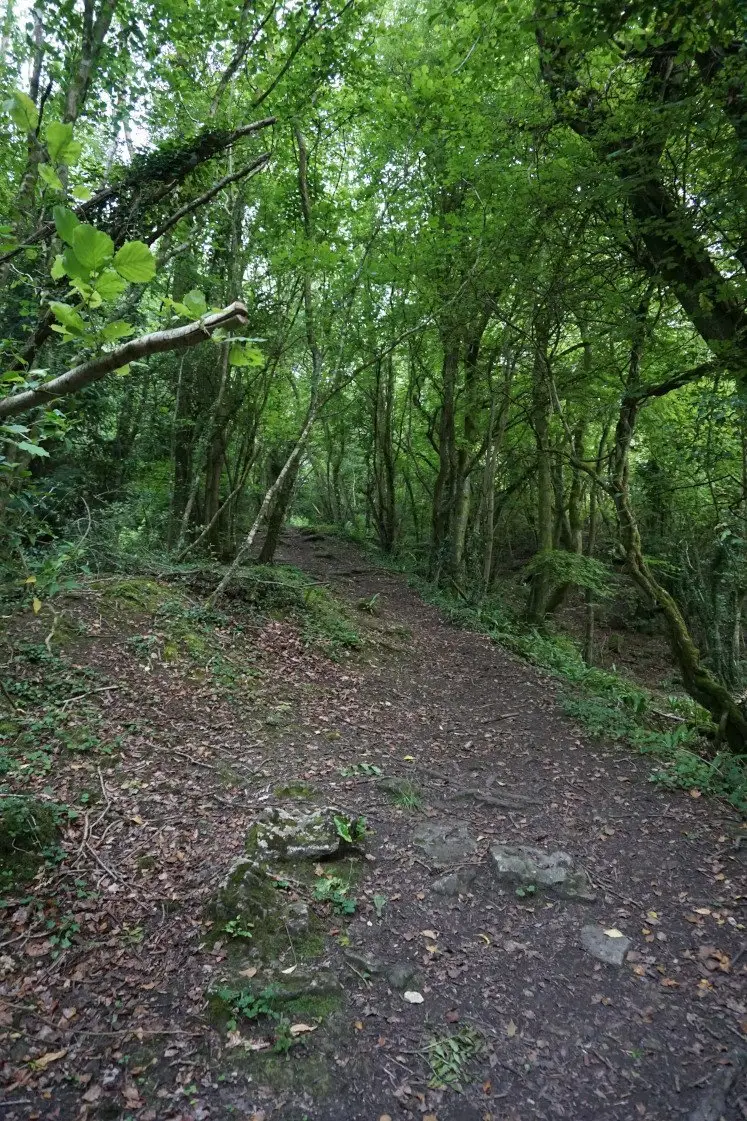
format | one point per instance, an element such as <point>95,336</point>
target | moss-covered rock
<point>283,835</point>
<point>28,828</point>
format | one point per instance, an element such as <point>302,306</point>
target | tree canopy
<point>465,280</point>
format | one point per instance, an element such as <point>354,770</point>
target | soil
<point>112,1021</point>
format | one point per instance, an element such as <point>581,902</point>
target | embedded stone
<point>604,947</point>
<point>445,843</point>
<point>455,883</point>
<point>524,866</point>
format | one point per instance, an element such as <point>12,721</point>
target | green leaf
<point>81,193</point>
<point>66,223</point>
<point>92,247</point>
<point>49,176</point>
<point>109,284</point>
<point>135,262</point>
<point>74,269</point>
<point>195,303</point>
<point>122,371</point>
<point>31,449</point>
<point>22,110</point>
<point>245,356</point>
<point>60,144</point>
<point>57,270</point>
<point>68,317</point>
<point>119,329</point>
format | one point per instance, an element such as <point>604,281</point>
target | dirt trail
<point>482,740</point>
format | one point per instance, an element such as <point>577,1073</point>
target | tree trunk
<point>539,592</point>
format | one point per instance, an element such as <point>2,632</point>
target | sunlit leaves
<point>60,144</point>
<point>245,355</point>
<point>65,222</point>
<point>92,247</point>
<point>22,111</point>
<point>135,262</point>
<point>49,176</point>
<point>70,320</point>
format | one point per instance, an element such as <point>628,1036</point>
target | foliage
<point>335,890</point>
<point>449,1057</point>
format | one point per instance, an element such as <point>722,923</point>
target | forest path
<point>570,1037</point>
<point>180,729</point>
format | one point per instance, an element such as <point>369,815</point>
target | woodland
<point>458,285</point>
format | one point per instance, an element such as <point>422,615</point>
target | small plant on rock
<point>352,830</point>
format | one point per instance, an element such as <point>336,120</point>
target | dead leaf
<point>250,971</point>
<point>92,1094</point>
<point>695,793</point>
<point>301,1029</point>
<point>50,1057</point>
<point>413,997</point>
<point>511,1029</point>
<point>613,932</point>
<point>452,1017</point>
<point>290,969</point>
<point>670,983</point>
<point>429,934</point>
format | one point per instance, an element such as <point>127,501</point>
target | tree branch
<point>249,170</point>
<point>176,338</point>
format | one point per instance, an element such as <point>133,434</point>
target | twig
<point>99,689</point>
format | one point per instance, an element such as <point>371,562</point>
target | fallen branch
<point>176,338</point>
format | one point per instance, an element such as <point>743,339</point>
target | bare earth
<point>121,1009</point>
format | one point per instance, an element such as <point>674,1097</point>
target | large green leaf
<point>22,110</point>
<point>66,223</point>
<point>135,262</point>
<point>109,284</point>
<point>74,269</point>
<point>60,144</point>
<point>48,174</point>
<point>240,355</point>
<point>195,303</point>
<point>69,318</point>
<point>119,329</point>
<point>92,247</point>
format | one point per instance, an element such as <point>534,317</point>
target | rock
<point>601,946</point>
<point>455,883</point>
<point>363,962</point>
<point>297,918</point>
<point>399,974</point>
<point>245,893</point>
<point>525,866</point>
<point>282,835</point>
<point>446,842</point>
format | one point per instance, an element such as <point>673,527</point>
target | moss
<point>296,1072</point>
<point>28,829</point>
<point>140,592</point>
<point>294,789</point>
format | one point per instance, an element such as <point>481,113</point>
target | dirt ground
<point>111,1021</point>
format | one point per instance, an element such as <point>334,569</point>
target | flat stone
<point>282,835</point>
<point>525,866</point>
<point>400,974</point>
<point>455,883</point>
<point>612,951</point>
<point>445,843</point>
